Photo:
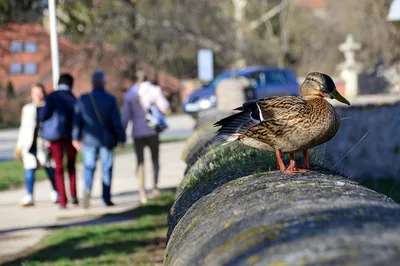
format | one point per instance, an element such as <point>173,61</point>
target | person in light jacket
<point>31,147</point>
<point>137,101</point>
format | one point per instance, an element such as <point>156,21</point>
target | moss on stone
<point>233,158</point>
<point>278,263</point>
<point>253,259</point>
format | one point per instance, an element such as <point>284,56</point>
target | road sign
<point>205,65</point>
<point>394,12</point>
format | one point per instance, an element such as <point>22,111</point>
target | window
<point>16,46</point>
<point>19,68</point>
<point>275,77</point>
<point>220,77</point>
<point>30,68</point>
<point>257,78</point>
<point>15,68</point>
<point>30,47</point>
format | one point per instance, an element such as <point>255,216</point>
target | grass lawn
<point>12,172</point>
<point>9,126</point>
<point>139,241</point>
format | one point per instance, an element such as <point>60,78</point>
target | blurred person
<point>57,115</point>
<point>31,147</point>
<point>137,101</point>
<point>97,130</point>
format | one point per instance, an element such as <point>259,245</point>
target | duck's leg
<point>292,166</point>
<point>280,163</point>
<point>305,160</point>
<point>292,169</point>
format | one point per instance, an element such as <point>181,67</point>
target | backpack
<point>155,119</point>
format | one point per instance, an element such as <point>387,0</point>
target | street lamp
<point>54,42</point>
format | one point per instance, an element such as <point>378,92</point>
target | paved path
<point>20,228</point>
<point>179,126</point>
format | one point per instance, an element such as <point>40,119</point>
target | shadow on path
<point>103,219</point>
<point>111,244</point>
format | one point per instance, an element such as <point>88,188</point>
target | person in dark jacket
<point>57,115</point>
<point>97,130</point>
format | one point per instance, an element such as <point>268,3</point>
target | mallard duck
<point>286,124</point>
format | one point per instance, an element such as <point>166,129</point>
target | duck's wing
<point>234,126</point>
<point>261,119</point>
<point>280,116</point>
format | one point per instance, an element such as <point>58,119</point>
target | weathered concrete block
<point>230,93</point>
<point>275,219</point>
<point>203,132</point>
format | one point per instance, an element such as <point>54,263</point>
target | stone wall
<point>368,141</point>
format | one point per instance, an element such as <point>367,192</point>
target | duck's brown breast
<point>317,127</point>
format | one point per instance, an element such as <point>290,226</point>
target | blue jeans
<point>90,155</point>
<point>30,179</point>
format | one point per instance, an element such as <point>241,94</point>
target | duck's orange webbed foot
<point>297,170</point>
<point>292,169</point>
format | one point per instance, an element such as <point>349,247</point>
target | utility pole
<point>239,8</point>
<point>54,42</point>
<point>284,47</point>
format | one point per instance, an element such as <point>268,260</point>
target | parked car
<point>266,81</point>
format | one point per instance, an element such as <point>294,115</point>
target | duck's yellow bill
<point>339,97</point>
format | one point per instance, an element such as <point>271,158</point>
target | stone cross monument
<point>350,68</point>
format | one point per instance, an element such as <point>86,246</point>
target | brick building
<point>25,55</point>
<point>318,7</point>
<point>315,4</point>
<point>25,59</point>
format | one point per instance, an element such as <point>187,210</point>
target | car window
<point>220,77</point>
<point>290,76</point>
<point>275,77</point>
<point>257,78</point>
